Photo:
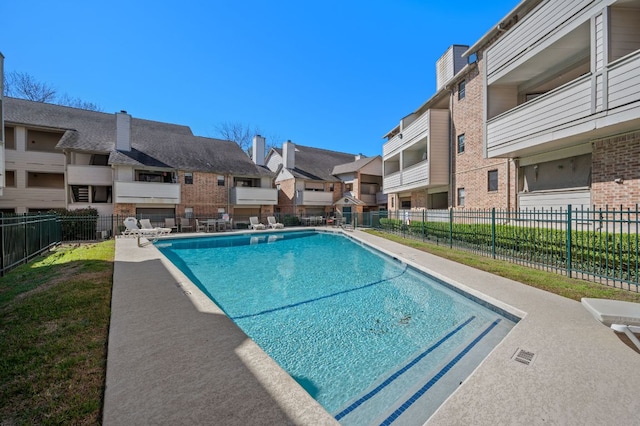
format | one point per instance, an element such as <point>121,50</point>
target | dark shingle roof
<point>154,144</point>
<point>354,166</point>
<point>316,163</point>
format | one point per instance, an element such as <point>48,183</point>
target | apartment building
<point>562,85</point>
<point>61,157</point>
<point>543,112</point>
<point>317,182</point>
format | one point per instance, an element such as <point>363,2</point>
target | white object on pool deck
<point>621,316</point>
<point>273,223</point>
<point>255,224</point>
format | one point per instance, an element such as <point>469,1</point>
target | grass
<point>54,316</point>
<point>554,283</point>
<point>54,323</point>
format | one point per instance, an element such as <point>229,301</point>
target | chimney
<point>123,131</point>
<point>258,150</point>
<point>288,155</point>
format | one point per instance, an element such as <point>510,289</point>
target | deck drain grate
<point>524,357</point>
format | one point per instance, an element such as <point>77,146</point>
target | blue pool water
<point>366,335</point>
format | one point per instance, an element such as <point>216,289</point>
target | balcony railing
<point>89,175</point>
<point>410,178</point>
<point>518,41</point>
<point>314,198</point>
<point>146,192</point>
<point>381,198</point>
<point>531,123</point>
<point>570,110</point>
<point>415,129</point>
<point>254,196</point>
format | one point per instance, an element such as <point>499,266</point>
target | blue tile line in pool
<point>437,377</point>
<point>304,302</point>
<point>400,372</point>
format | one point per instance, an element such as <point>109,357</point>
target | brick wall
<point>616,158</point>
<point>470,168</point>
<point>123,209</point>
<point>204,195</point>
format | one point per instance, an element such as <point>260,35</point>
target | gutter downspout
<point>451,152</point>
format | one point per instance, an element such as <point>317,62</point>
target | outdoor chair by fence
<point>621,316</point>
<point>133,230</point>
<point>273,223</point>
<point>185,224</point>
<point>146,225</point>
<point>170,222</point>
<point>200,227</point>
<point>255,223</point>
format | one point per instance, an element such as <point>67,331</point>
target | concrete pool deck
<point>175,358</point>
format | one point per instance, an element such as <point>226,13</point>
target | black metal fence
<point>594,244</point>
<point>24,236</point>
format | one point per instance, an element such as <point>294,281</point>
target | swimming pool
<point>369,337</point>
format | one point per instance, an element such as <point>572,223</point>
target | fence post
<point>569,266</point>
<point>450,228</point>
<point>493,232</point>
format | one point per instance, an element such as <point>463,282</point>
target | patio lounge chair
<point>185,223</point>
<point>170,222</point>
<point>255,224</point>
<point>623,317</point>
<point>132,229</point>
<point>273,223</point>
<point>146,225</point>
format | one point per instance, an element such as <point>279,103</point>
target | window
<point>188,178</point>
<point>460,143</point>
<point>10,178</point>
<point>9,138</point>
<point>461,197</point>
<point>188,212</point>
<point>220,180</point>
<point>492,181</point>
<point>461,89</point>
<point>406,204</point>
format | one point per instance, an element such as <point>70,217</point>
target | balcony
<point>409,135</point>
<point>314,198</point>
<point>89,175</point>
<point>241,195</point>
<point>146,192</point>
<point>413,177</point>
<point>583,108</point>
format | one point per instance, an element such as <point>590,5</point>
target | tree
<point>243,134</point>
<point>25,86</point>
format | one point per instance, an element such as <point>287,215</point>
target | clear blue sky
<point>330,74</point>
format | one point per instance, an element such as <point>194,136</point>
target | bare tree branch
<point>66,100</point>
<point>23,85</point>
<point>238,132</point>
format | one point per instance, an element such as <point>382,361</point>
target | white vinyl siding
<point>539,29</point>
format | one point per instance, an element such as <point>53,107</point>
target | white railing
<point>624,81</point>
<point>536,26</point>
<point>418,173</point>
<point>515,128</point>
<point>392,181</point>
<point>409,134</point>
<point>146,192</point>
<point>315,198</point>
<point>89,175</point>
<point>255,196</point>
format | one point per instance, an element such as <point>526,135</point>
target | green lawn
<point>54,316</point>
<point>571,288</point>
